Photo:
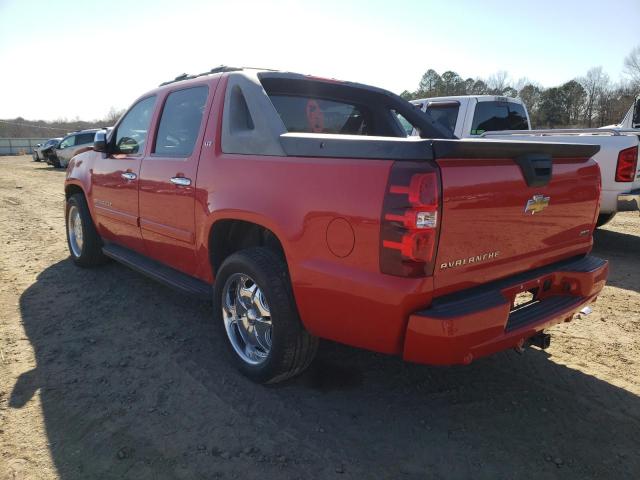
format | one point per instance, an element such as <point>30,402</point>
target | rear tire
<point>85,245</point>
<point>604,218</point>
<point>289,348</point>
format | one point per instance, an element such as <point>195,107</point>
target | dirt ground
<point>107,374</point>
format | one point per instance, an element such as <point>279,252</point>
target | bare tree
<point>522,82</point>
<point>594,83</point>
<point>632,65</point>
<point>498,81</point>
<point>112,117</point>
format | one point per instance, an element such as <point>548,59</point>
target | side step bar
<point>163,274</point>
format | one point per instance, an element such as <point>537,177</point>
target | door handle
<point>181,181</point>
<point>129,175</point>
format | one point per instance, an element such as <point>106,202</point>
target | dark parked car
<point>71,145</point>
<point>41,150</point>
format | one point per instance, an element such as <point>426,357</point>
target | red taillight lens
<point>627,164</point>
<point>423,189</point>
<point>409,224</point>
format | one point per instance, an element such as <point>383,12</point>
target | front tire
<point>255,311</point>
<point>85,245</point>
<point>604,218</point>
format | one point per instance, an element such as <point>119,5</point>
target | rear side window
<point>133,129</point>
<point>496,116</point>
<point>445,114</point>
<point>85,138</point>
<point>404,123</point>
<point>180,122</point>
<point>302,114</point>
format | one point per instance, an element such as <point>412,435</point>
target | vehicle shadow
<point>623,252</point>
<point>134,383</point>
<point>43,167</point>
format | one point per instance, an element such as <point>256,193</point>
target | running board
<point>163,274</point>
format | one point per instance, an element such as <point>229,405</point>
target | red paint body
<point>339,290</point>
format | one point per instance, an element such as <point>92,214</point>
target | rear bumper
<point>629,201</point>
<point>480,321</point>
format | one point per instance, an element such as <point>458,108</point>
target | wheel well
<point>70,190</point>
<point>230,236</point>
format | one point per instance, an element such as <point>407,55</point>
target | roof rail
<point>218,69</point>
<point>555,131</point>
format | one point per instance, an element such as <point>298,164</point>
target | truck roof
<point>479,98</point>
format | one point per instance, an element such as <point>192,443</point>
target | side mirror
<point>100,141</point>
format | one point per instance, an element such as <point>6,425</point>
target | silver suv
<point>71,145</point>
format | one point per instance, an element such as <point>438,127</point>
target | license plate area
<point>524,299</point>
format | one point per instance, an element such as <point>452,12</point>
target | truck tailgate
<point>500,216</point>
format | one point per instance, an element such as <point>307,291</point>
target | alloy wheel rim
<point>247,318</point>
<point>74,231</point>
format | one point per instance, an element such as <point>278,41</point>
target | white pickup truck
<point>491,116</point>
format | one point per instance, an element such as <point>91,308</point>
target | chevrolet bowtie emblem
<point>536,204</point>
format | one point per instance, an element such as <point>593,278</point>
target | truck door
<point>168,176</point>
<point>115,178</point>
<point>63,149</point>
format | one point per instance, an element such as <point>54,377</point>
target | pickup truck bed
<point>302,206</point>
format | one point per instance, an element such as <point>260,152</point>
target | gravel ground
<point>106,374</point>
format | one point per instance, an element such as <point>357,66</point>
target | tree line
<point>20,128</point>
<point>592,100</point>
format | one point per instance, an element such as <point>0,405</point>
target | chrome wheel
<point>247,318</point>
<point>74,230</point>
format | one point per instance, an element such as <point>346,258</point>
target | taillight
<point>409,225</point>
<point>627,164</point>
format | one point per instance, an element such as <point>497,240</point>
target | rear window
<point>84,138</point>
<point>302,114</point>
<point>496,116</point>
<point>445,114</point>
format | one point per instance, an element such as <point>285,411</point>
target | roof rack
<point>185,76</point>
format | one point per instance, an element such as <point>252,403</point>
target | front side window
<point>69,141</point>
<point>133,129</point>
<point>445,114</point>
<point>495,116</point>
<point>180,122</point>
<point>303,114</point>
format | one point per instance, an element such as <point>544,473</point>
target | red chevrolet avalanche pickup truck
<point>299,205</point>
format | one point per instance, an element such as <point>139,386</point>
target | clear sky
<point>72,58</point>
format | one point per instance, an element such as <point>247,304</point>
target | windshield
<point>495,116</point>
